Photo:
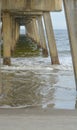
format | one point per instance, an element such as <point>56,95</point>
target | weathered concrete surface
<point>51,38</point>
<point>7,38</point>
<point>23,5</point>
<point>30,30</point>
<point>34,30</point>
<point>13,26</point>
<point>42,36</point>
<point>71,17</point>
<point>13,4</point>
<point>37,38</point>
<point>31,119</point>
<point>46,5</point>
<point>17,29</point>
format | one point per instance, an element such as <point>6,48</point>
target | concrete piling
<point>42,36</point>
<point>13,26</point>
<point>17,29</point>
<point>32,31</point>
<point>70,7</point>
<point>51,38</point>
<point>36,33</point>
<point>7,38</point>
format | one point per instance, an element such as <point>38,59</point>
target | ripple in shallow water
<point>38,84</point>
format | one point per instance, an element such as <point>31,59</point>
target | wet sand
<point>38,119</point>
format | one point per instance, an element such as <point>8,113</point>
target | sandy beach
<point>38,119</point>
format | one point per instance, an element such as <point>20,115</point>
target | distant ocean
<point>38,83</point>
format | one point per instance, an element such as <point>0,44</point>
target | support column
<point>42,36</point>
<point>51,39</point>
<point>70,7</point>
<point>13,24</point>
<point>37,38</point>
<point>2,31</point>
<point>33,30</point>
<point>17,31</point>
<point>30,30</point>
<point>7,39</point>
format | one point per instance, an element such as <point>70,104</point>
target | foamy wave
<point>19,107</point>
<point>38,64</point>
<point>63,67</point>
<point>39,68</point>
<point>7,106</point>
<point>22,68</point>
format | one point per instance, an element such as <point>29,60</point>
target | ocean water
<point>34,82</point>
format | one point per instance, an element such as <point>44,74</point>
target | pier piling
<point>7,38</point>
<point>42,36</point>
<point>36,33</point>
<point>51,38</point>
<point>13,26</point>
<point>70,7</point>
<point>17,31</point>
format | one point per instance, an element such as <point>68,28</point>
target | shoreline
<point>37,112</point>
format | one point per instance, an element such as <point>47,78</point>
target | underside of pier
<point>29,13</point>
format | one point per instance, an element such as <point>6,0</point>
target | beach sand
<point>38,119</point>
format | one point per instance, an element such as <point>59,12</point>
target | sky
<point>58,20</point>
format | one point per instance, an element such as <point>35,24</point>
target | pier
<point>35,95</point>
<point>30,14</point>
